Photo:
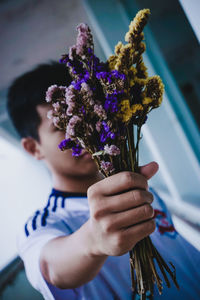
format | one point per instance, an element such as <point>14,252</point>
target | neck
<point>74,184</point>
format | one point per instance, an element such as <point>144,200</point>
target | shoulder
<point>43,224</point>
<point>49,216</point>
<point>62,215</point>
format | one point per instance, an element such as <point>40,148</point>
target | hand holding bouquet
<point>103,111</point>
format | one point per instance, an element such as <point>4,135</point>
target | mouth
<point>85,154</point>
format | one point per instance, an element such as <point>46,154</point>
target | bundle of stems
<point>144,256</point>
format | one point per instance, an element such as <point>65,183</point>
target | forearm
<point>70,261</point>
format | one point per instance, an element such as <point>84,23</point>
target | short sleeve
<point>36,233</point>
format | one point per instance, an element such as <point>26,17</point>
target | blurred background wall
<point>36,31</point>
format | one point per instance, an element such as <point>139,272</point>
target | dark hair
<point>28,91</point>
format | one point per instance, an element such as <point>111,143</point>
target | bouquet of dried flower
<point>99,111</point>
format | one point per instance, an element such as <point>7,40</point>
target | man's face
<point>61,162</point>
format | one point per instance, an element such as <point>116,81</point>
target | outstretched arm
<point>120,216</point>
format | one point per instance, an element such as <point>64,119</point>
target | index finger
<point>121,182</point>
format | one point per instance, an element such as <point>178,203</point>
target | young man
<point>77,246</point>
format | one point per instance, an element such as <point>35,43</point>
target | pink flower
<point>84,39</point>
<point>98,126</point>
<point>107,166</point>
<point>70,131</point>
<point>82,27</point>
<point>98,109</point>
<point>111,150</point>
<point>51,90</point>
<point>69,111</point>
<point>70,94</point>
<point>86,88</point>
<point>55,121</point>
<point>56,106</point>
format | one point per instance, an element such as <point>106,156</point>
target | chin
<point>89,169</point>
<point>93,170</point>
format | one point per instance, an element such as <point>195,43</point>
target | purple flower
<point>103,137</point>
<point>106,132</point>
<point>65,144</point>
<point>118,75</point>
<point>111,150</point>
<point>110,76</point>
<point>77,85</point>
<point>76,150</point>
<point>111,103</point>
<point>86,76</point>
<point>90,51</point>
<point>82,110</point>
<point>96,64</point>
<point>102,75</point>
<point>64,59</point>
<point>105,126</point>
<point>112,135</point>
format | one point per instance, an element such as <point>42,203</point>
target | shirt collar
<point>65,194</point>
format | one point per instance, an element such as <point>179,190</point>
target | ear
<point>32,146</point>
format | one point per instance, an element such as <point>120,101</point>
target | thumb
<point>149,169</point>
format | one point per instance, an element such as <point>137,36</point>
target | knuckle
<point>95,214</point>
<point>96,209</point>
<point>137,195</point>
<point>91,192</point>
<point>128,178</point>
<point>118,241</point>
<point>94,192</point>
<point>106,226</point>
<point>145,182</point>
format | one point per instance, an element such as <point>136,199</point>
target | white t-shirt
<point>67,212</point>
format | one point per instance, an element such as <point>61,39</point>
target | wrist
<point>92,248</point>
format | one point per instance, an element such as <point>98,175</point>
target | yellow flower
<point>146,100</point>
<point>140,81</point>
<point>125,58</point>
<point>118,48</point>
<point>125,111</point>
<point>131,74</point>
<point>154,90</point>
<point>142,70</point>
<point>132,82</point>
<point>137,25</point>
<point>132,71</point>
<point>112,62</point>
<point>135,108</point>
